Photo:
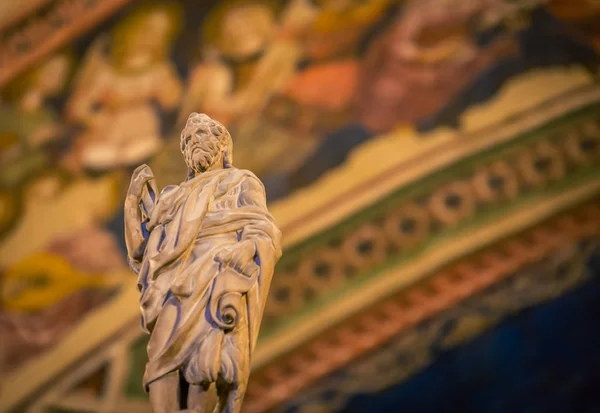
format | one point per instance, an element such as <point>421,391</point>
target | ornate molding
<point>438,206</point>
<point>285,377</point>
<point>411,351</point>
<point>22,45</point>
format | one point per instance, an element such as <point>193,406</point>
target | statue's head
<point>206,144</point>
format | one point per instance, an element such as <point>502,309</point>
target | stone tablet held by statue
<point>204,253</point>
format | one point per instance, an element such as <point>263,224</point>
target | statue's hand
<point>239,257</point>
<point>139,206</point>
<point>140,177</point>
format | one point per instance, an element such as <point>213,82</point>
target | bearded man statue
<point>204,253</point>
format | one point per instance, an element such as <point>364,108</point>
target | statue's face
<point>201,149</point>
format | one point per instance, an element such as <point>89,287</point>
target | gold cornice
<point>387,162</point>
<point>365,244</point>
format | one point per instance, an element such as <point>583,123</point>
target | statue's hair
<point>216,128</point>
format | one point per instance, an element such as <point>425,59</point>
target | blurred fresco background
<point>434,166</point>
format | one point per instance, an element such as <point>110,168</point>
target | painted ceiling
<point>434,166</point>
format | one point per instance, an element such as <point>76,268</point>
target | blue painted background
<point>543,360</point>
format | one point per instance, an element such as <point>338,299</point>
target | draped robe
<point>203,318</point>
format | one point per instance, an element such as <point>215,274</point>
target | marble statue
<point>204,252</point>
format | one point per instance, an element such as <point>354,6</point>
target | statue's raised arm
<point>204,252</point>
<point>139,204</point>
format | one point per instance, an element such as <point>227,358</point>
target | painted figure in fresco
<point>427,56</point>
<point>28,130</point>
<point>204,253</point>
<point>317,105</point>
<point>435,62</point>
<point>115,91</point>
<point>320,96</point>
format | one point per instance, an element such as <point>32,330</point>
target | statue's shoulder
<point>239,173</point>
<point>250,181</point>
<point>244,185</point>
<point>248,174</point>
<point>241,176</point>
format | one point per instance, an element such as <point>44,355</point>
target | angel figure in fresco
<point>204,253</point>
<point>28,130</point>
<point>117,90</point>
<point>425,58</point>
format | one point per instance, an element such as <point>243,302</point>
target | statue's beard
<point>200,156</point>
